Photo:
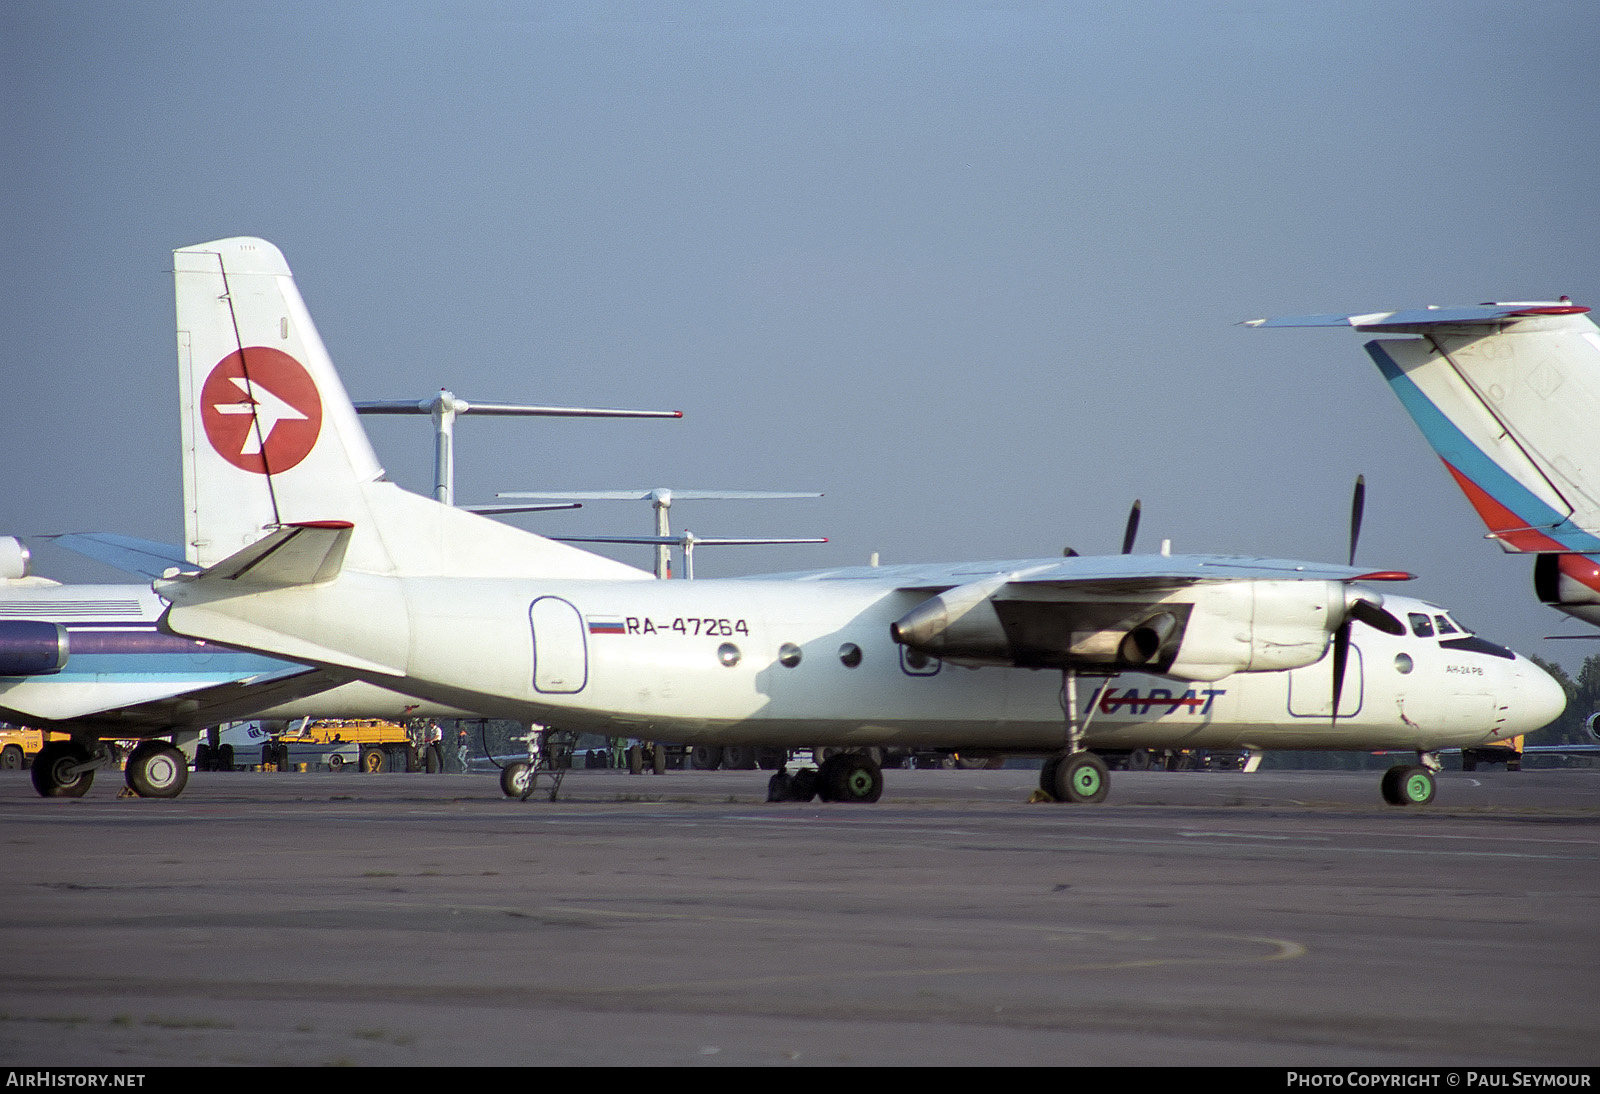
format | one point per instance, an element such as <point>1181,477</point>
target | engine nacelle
<point>958,623</point>
<point>31,647</point>
<point>1569,583</point>
<point>1203,632</point>
<point>1258,626</point>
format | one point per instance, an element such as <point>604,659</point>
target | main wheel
<point>739,758</point>
<point>1408,784</point>
<point>850,777</point>
<point>706,757</point>
<point>157,770</point>
<point>1047,773</point>
<point>1082,778</point>
<point>516,779</point>
<point>52,776</point>
<point>780,788</point>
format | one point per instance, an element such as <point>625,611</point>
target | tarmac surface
<point>1286,919</point>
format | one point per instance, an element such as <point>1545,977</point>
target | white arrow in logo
<point>268,409</point>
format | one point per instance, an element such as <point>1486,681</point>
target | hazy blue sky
<point>972,269</point>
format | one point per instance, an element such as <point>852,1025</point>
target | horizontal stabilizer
<point>299,554</point>
<point>1423,317</point>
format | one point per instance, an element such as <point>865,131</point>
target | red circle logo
<point>261,410</point>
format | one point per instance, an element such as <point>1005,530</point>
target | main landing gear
<point>1074,774</point>
<point>1075,777</point>
<point>157,769</point>
<point>65,769</point>
<point>842,777</point>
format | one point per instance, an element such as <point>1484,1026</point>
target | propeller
<point>1359,608</point>
<point>1131,533</point>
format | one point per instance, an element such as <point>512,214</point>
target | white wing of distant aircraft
<point>1508,395</point>
<point>445,407</point>
<point>311,555</point>
<point>661,499</point>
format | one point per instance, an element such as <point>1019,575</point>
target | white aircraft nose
<point>1537,699</point>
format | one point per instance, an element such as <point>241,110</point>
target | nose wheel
<point>1408,784</point>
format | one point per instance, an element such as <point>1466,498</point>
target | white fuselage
<point>653,660</point>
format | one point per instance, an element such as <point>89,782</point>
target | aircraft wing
<point>160,706</point>
<point>127,553</point>
<point>1198,617</point>
<point>1110,573</point>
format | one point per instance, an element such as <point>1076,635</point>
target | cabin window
<point>850,655</point>
<point>788,655</point>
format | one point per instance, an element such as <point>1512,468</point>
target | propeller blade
<point>1341,658</point>
<point>1376,617</point>
<point>1358,503</point>
<point>1132,531</point>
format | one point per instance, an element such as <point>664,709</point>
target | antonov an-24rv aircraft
<point>304,552</point>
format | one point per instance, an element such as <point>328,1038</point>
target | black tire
<point>771,759</point>
<point>516,779</point>
<point>373,761</point>
<point>1047,774</point>
<point>1408,784</point>
<point>739,758</point>
<point>1139,760</point>
<point>804,786</point>
<point>706,757</point>
<point>202,757</point>
<point>658,759</point>
<point>780,788</point>
<point>850,777</point>
<point>635,760</point>
<point>157,770</point>
<point>1082,779</point>
<point>49,771</point>
<point>11,758</point>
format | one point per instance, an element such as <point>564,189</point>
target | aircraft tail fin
<point>1509,405</point>
<point>271,440</point>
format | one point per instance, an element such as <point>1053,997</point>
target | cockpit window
<point>1445,626</point>
<point>1421,625</point>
